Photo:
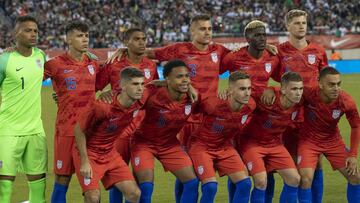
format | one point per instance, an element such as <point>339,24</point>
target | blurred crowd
<point>168,20</point>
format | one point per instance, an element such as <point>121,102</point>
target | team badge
<point>293,115</point>
<point>135,113</point>
<point>91,69</point>
<point>187,109</point>
<point>147,73</point>
<point>299,160</point>
<point>311,58</point>
<point>243,119</point>
<point>38,62</point>
<point>200,170</point>
<point>336,114</point>
<point>268,67</point>
<point>59,164</point>
<point>87,181</point>
<point>249,166</point>
<point>214,57</point>
<point>137,161</point>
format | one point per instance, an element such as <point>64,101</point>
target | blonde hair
<point>294,13</point>
<point>253,25</point>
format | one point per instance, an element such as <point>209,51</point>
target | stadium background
<point>334,24</point>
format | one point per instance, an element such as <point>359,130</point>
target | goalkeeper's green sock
<point>37,191</point>
<point>5,190</point>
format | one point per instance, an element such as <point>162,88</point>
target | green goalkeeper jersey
<point>20,82</point>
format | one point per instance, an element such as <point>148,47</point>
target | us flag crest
<point>214,57</point>
<point>243,119</point>
<point>200,170</point>
<point>187,109</point>
<point>91,69</point>
<point>336,113</point>
<point>311,58</point>
<point>268,67</point>
<point>147,73</point>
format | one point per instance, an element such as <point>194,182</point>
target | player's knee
<point>293,180</point>
<point>306,181</point>
<point>133,195</point>
<point>260,183</point>
<point>63,179</point>
<point>92,197</point>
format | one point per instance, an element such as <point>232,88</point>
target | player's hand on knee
<point>116,56</point>
<point>351,166</point>
<point>268,97</point>
<point>272,49</point>
<point>224,94</point>
<point>85,169</point>
<point>106,96</point>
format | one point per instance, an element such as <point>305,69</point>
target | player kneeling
<point>211,146</point>
<point>95,156</point>
<point>320,134</point>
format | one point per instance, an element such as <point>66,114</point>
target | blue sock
<point>179,187</point>
<point>270,188</point>
<point>257,195</point>
<point>190,193</point>
<point>115,196</point>
<point>59,193</point>
<point>231,190</point>
<point>242,192</point>
<point>317,187</point>
<point>289,194</point>
<point>208,192</point>
<point>305,195</point>
<point>353,193</point>
<point>146,191</point>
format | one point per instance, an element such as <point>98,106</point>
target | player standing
<point>211,146</point>
<point>319,134</point>
<point>95,156</point>
<point>22,137</point>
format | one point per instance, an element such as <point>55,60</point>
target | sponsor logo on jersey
<point>214,57</point>
<point>137,161</point>
<point>244,119</point>
<point>268,67</point>
<point>336,113</point>
<point>200,170</point>
<point>249,165</point>
<point>311,58</point>
<point>59,164</point>
<point>91,69</point>
<point>87,181</point>
<point>187,109</point>
<point>147,73</point>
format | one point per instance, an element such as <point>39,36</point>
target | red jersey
<point>220,124</point>
<point>204,66</point>
<point>102,124</point>
<point>74,84</point>
<point>269,122</point>
<point>110,73</point>
<point>321,120</point>
<point>307,62</point>
<point>260,70</point>
<point>164,117</point>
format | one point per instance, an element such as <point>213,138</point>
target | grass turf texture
<point>334,189</point>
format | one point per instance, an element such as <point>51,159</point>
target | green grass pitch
<point>335,184</point>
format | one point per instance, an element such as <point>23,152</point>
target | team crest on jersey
<point>137,161</point>
<point>311,58</point>
<point>249,165</point>
<point>299,160</point>
<point>38,62</point>
<point>147,73</point>
<point>268,67</point>
<point>244,119</point>
<point>200,170</point>
<point>91,69</point>
<point>293,115</point>
<point>336,113</point>
<point>87,181</point>
<point>187,109</point>
<point>59,164</point>
<point>135,113</point>
<point>214,57</point>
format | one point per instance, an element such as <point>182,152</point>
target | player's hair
<point>26,18</point>
<point>253,25</point>
<point>202,17</point>
<point>130,72</point>
<point>294,13</point>
<point>171,65</point>
<point>130,32</point>
<point>76,25</point>
<point>290,77</point>
<point>238,75</point>
<point>328,70</point>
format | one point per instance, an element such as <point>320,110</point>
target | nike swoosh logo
<point>67,71</point>
<point>163,111</point>
<point>114,119</point>
<point>19,69</point>
<point>334,43</point>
